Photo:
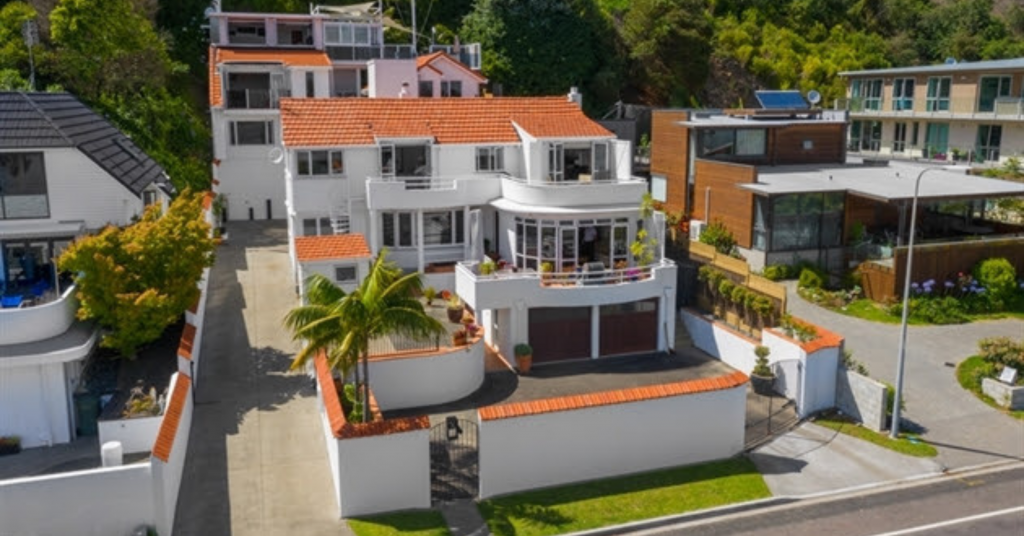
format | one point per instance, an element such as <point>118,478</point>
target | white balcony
<point>401,193</point>
<point>37,322</point>
<point>579,193</point>
<point>504,289</point>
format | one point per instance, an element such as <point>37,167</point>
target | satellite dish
<point>275,155</point>
<point>951,61</point>
<point>813,97</point>
<point>208,11</point>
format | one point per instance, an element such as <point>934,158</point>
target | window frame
<point>934,100</point>
<point>339,267</point>
<point>901,101</point>
<point>493,156</point>
<point>44,193</point>
<point>999,91</point>
<point>268,133</point>
<point>304,158</point>
<point>447,87</point>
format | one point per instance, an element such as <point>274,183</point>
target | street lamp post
<point>894,430</point>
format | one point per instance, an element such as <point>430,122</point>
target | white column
<point>419,241</point>
<point>374,232</point>
<point>595,331</point>
<point>466,247</point>
<point>667,319</point>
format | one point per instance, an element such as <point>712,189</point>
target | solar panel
<point>776,100</point>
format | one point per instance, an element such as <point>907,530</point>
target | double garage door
<point>563,333</point>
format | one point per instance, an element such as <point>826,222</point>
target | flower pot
<point>763,385</point>
<point>524,362</point>
<point>455,315</point>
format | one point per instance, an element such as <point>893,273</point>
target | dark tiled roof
<point>42,120</point>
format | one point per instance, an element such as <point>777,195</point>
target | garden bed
<point>972,371</point>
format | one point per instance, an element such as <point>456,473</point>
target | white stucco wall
<point>246,174</point>
<point>166,481</point>
<point>99,502</point>
<point>451,72</point>
<point>408,382</point>
<point>387,76</point>
<point>79,190</point>
<point>34,404</point>
<point>332,448</point>
<point>384,473</point>
<point>36,323</point>
<point>135,435</point>
<point>561,447</point>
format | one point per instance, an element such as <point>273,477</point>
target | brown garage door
<point>560,333</point>
<point>629,328</point>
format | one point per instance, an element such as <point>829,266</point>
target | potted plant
<point>459,338</point>
<point>546,269</point>
<point>487,266</point>
<point>430,293</point>
<point>454,306</point>
<point>524,357</point>
<point>762,378</point>
<point>10,445</point>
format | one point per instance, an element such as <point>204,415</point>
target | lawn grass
<point>909,444</point>
<point>621,500</point>
<point>969,373</point>
<point>868,310</point>
<point>424,523</point>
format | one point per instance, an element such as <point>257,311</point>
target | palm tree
<point>342,325</point>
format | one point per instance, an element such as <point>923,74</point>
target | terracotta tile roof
<point>172,417</point>
<point>607,398</point>
<point>429,60</point>
<point>188,340</point>
<point>341,428</point>
<point>341,122</point>
<point>331,247</point>
<point>291,58</point>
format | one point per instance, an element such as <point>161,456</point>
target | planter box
<point>1006,396</point>
<point>9,449</point>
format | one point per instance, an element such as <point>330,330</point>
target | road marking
<point>951,522</point>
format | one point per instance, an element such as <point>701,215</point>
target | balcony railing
<point>38,319</point>
<point>394,193</point>
<point>250,99</point>
<point>1000,108</point>
<point>578,278</point>
<point>945,153</point>
<point>370,52</point>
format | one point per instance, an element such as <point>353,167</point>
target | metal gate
<point>454,460</point>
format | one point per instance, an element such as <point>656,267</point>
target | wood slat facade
<point>670,143</point>
<point>729,204</point>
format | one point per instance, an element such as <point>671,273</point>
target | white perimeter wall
<point>135,435</point>
<point>167,475</point>
<point>425,381</point>
<point>101,502</point>
<point>34,405</point>
<point>384,473</point>
<point>557,448</point>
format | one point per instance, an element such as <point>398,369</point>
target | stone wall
<point>861,397</point>
<point>1006,396</point>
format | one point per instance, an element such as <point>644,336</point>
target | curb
<point>738,508</point>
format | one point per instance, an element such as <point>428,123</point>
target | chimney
<point>575,96</point>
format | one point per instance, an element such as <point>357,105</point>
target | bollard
<point>112,454</point>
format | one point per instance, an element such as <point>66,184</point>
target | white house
<point>532,181</point>
<point>258,58</point>
<point>64,171</point>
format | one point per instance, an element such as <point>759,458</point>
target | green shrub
<point>776,272</point>
<point>999,278</point>
<point>1003,351</point>
<point>809,278</point>
<point>716,234</point>
<point>725,288</point>
<point>738,294</point>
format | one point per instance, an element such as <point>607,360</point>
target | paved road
<point>989,503</point>
<point>257,464</point>
<point>966,431</point>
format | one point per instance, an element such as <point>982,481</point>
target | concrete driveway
<point>257,464</point>
<point>966,431</point>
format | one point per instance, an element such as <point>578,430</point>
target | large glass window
<point>719,143</point>
<point>899,138</point>
<point>490,158</point>
<point>865,135</point>
<point>451,88</point>
<point>990,137</point>
<point>991,88</point>
<point>443,228</point>
<point>867,93</point>
<point>313,163</point>
<point>426,88</point>
<point>903,94</point>
<point>252,132</point>
<point>23,186</point>
<point>938,94</point>
<point>806,221</point>
<point>936,139</point>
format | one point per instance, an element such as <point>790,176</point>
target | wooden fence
<point>941,262</point>
<point>704,253</point>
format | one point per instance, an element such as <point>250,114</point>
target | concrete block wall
<point>862,398</point>
<point>1004,395</point>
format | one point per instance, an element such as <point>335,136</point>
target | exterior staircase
<point>340,221</point>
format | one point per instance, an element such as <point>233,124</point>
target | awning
<point>33,230</point>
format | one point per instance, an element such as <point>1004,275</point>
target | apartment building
<point>256,59</point>
<point>955,112</point>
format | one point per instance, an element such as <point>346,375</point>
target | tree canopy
<point>137,280</point>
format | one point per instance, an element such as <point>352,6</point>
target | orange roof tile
<point>172,417</point>
<point>440,56</point>
<point>607,398</point>
<point>188,340</point>
<point>291,58</point>
<point>331,247</point>
<point>341,428</point>
<point>341,122</point>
